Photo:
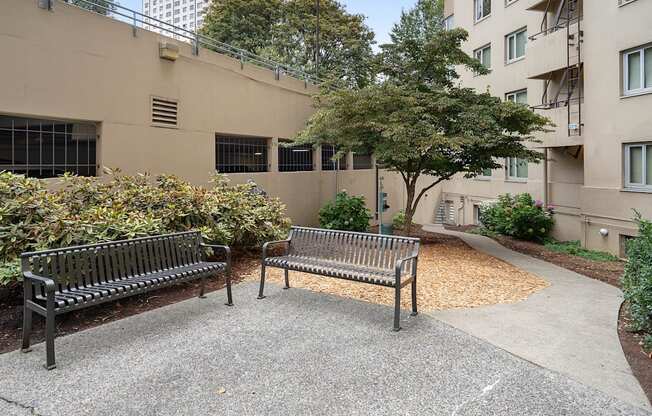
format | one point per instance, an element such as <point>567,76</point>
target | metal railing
<point>140,21</point>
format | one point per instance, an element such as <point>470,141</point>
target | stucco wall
<point>74,65</point>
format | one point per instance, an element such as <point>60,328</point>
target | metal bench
<point>382,260</point>
<point>67,279</point>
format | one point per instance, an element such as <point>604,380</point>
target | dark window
<point>294,158</point>
<point>362,160</point>
<point>47,148</point>
<point>234,154</point>
<point>327,162</point>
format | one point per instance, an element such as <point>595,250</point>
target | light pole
<point>317,40</point>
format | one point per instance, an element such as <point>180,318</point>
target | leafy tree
<point>416,121</point>
<point>285,31</point>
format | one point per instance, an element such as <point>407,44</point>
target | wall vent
<point>165,112</point>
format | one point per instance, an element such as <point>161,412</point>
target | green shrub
<point>346,212</point>
<point>398,221</point>
<point>637,279</point>
<point>574,248</point>
<point>87,210</point>
<point>518,216</point>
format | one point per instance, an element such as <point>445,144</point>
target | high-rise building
<point>587,65</point>
<point>186,14</point>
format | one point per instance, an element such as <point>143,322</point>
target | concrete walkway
<point>294,353</point>
<point>570,327</point>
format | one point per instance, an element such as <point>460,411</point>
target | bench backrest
<point>360,249</point>
<point>104,262</point>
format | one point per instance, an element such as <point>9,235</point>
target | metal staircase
<point>569,92</point>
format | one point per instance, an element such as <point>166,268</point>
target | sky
<point>381,14</point>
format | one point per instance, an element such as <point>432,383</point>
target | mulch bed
<point>606,271</point>
<point>11,310</point>
<point>450,275</point>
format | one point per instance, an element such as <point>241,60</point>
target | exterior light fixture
<point>168,51</point>
<point>604,232</point>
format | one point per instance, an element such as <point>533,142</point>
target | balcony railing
<point>140,21</point>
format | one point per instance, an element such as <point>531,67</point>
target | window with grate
<point>235,154</point>
<point>294,158</point>
<point>42,148</point>
<point>362,160</point>
<point>327,162</point>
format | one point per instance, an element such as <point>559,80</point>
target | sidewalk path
<point>294,353</point>
<point>570,327</point>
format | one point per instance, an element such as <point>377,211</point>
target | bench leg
<point>49,334</point>
<point>202,288</point>
<point>27,328</point>
<point>397,309</point>
<point>229,295</point>
<point>261,294</point>
<point>287,279</point>
<point>414,296</point>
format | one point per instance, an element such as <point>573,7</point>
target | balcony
<point>559,136</point>
<point>547,53</point>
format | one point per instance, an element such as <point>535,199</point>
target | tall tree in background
<point>415,120</point>
<point>285,31</point>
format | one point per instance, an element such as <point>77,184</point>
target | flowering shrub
<point>347,213</point>
<point>518,216</point>
<point>88,210</point>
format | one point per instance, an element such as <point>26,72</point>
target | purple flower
<point>538,204</point>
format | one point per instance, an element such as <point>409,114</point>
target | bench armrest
<point>401,262</point>
<point>273,243</point>
<point>47,282</point>
<point>225,249</point>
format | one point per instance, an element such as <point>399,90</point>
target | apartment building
<point>186,14</point>
<point>587,65</point>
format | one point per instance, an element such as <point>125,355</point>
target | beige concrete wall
<point>72,64</point>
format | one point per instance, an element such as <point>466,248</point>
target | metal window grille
<point>294,158</point>
<point>362,160</point>
<point>47,148</point>
<point>235,154</point>
<point>327,162</point>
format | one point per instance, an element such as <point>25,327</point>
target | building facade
<point>185,14</point>
<point>586,65</point>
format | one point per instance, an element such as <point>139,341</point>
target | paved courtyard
<point>294,353</point>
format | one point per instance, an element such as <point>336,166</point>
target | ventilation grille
<point>165,112</point>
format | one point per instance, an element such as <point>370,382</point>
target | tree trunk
<point>409,207</point>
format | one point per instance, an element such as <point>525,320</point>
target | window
<point>484,56</point>
<point>482,9</point>
<point>327,162</point>
<point>638,166</point>
<point>515,45</point>
<point>518,97</point>
<point>449,22</point>
<point>516,168</point>
<point>294,158</point>
<point>362,160</point>
<point>637,71</point>
<point>47,148</point>
<point>485,175</point>
<point>234,154</point>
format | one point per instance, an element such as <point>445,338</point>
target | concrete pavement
<point>570,327</point>
<point>294,353</point>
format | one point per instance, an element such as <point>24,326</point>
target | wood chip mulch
<point>450,275</point>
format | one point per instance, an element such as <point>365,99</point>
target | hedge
<point>90,210</point>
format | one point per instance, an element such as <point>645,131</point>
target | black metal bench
<point>67,279</point>
<point>383,260</point>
